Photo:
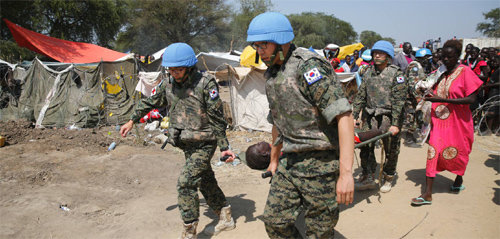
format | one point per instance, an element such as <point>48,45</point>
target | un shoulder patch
<point>214,93</point>
<point>400,79</point>
<point>312,76</point>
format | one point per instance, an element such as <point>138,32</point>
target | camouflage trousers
<point>410,118</point>
<point>413,118</point>
<point>197,173</point>
<point>290,195</point>
<point>391,146</point>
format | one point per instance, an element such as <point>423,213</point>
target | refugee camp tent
<point>213,61</point>
<point>147,82</point>
<point>79,95</point>
<point>62,50</point>
<point>249,106</point>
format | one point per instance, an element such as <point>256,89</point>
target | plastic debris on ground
<point>64,207</point>
<point>152,126</point>
<point>73,127</point>
<point>112,146</point>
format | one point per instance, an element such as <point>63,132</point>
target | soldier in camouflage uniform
<point>312,125</point>
<point>197,126</point>
<point>416,71</point>
<point>381,97</point>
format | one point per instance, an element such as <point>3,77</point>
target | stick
<point>426,214</point>
<point>372,140</point>
<point>355,155</point>
<point>164,144</point>
<point>382,159</point>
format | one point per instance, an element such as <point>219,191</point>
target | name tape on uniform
<point>312,76</point>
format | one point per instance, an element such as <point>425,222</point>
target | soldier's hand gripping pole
<point>267,174</point>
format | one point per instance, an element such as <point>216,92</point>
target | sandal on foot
<point>457,189</point>
<point>420,201</point>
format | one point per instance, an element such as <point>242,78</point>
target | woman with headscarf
<point>452,132</point>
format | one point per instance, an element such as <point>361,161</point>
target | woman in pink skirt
<point>452,132</point>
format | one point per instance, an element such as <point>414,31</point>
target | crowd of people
<point>418,64</point>
<point>445,101</point>
<point>313,134</point>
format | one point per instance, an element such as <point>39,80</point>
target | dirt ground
<point>130,192</point>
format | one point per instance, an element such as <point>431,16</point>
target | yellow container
<point>2,141</point>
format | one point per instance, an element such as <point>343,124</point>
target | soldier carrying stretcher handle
<point>198,127</point>
<point>312,126</point>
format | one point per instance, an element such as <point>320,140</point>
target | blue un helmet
<point>384,46</point>
<point>179,55</point>
<point>270,27</point>
<point>423,52</point>
<point>367,55</point>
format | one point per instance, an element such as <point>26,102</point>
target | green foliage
<point>144,26</point>
<point>490,29</point>
<point>92,21</point>
<point>239,25</point>
<point>368,38</point>
<point>318,30</point>
<point>20,12</point>
<point>156,24</point>
<point>12,53</point>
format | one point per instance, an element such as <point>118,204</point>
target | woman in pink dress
<point>452,132</point>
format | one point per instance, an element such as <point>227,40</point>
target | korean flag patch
<point>312,76</point>
<point>400,79</point>
<point>213,93</point>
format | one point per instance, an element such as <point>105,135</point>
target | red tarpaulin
<point>62,50</point>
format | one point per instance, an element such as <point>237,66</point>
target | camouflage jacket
<point>414,73</point>
<point>382,93</point>
<point>197,114</point>
<point>304,98</point>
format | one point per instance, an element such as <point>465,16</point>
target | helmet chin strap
<point>381,62</point>
<point>186,75</point>
<point>278,51</point>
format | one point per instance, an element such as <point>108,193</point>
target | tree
<point>318,30</point>
<point>156,24</point>
<point>490,29</point>
<point>240,21</point>
<point>368,38</point>
<point>92,21</point>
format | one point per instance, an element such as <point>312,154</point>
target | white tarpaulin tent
<point>249,106</point>
<point>210,61</point>
<point>213,61</point>
<point>147,82</point>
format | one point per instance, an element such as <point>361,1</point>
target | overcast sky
<point>404,20</point>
